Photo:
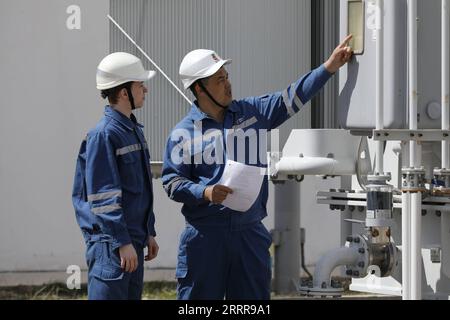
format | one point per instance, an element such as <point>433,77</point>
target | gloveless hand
<point>152,249</point>
<point>128,258</point>
<point>217,193</point>
<point>340,56</point>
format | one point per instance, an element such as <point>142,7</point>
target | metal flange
<point>413,180</point>
<point>360,243</point>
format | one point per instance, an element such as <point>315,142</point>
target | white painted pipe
<point>287,225</point>
<point>445,56</point>
<point>416,246</point>
<point>413,255</point>
<point>305,165</point>
<point>331,260</point>
<point>315,166</point>
<point>379,164</point>
<point>406,263</point>
<point>412,68</point>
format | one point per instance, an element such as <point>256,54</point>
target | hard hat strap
<point>130,97</point>
<point>209,95</point>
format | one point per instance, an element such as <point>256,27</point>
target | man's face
<point>219,87</point>
<point>138,90</point>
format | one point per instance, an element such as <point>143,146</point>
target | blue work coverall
<point>223,253</point>
<point>113,201</point>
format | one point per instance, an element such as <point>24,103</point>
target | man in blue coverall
<point>112,192</point>
<point>225,253</point>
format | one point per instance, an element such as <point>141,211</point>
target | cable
<point>151,61</point>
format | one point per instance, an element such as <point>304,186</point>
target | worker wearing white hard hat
<point>224,252</point>
<point>202,64</point>
<point>118,71</point>
<point>113,193</point>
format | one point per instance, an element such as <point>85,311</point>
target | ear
<point>197,88</point>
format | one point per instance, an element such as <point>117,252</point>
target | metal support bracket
<point>411,135</point>
<point>272,159</point>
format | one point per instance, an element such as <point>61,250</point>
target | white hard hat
<point>199,64</point>
<point>121,67</point>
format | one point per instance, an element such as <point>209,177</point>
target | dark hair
<point>204,81</point>
<point>112,94</point>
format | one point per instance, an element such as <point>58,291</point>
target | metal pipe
<point>412,87</point>
<point>308,166</point>
<point>329,261</point>
<point>416,246</point>
<point>445,58</point>
<point>406,263</point>
<point>379,165</point>
<point>413,254</point>
<point>287,227</point>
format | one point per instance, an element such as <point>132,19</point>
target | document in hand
<point>245,181</point>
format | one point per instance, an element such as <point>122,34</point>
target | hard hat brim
<point>147,75</point>
<point>209,72</point>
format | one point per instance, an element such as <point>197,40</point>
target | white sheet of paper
<point>245,181</point>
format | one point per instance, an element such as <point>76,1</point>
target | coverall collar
<point>129,123</point>
<point>198,115</point>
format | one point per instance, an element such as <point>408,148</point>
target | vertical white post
<point>412,87</point>
<point>415,231</point>
<point>287,225</point>
<point>406,263</point>
<point>379,165</point>
<point>416,246</point>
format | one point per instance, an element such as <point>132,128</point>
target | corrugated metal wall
<point>269,42</point>
<point>325,37</point>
